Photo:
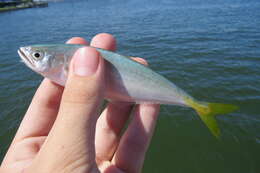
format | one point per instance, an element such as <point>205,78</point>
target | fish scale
<point>139,81</point>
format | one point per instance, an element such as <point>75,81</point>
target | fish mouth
<point>25,58</point>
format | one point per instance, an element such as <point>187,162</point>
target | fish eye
<point>37,55</point>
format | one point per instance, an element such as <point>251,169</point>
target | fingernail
<point>85,61</point>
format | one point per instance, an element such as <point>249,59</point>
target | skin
<point>63,131</point>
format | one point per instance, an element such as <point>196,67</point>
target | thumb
<point>70,143</point>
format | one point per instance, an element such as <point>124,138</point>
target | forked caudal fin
<point>208,111</point>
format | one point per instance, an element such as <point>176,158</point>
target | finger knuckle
<point>80,95</point>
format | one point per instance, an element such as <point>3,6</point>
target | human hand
<point>62,130</point>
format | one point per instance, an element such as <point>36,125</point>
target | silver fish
<point>126,80</point>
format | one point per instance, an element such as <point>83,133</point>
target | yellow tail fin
<point>208,111</point>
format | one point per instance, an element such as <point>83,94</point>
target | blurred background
<point>211,49</point>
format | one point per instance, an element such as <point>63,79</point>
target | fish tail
<point>208,111</point>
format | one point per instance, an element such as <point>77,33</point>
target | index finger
<point>42,111</point>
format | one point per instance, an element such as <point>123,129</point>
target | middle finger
<point>113,118</point>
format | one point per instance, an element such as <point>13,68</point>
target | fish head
<point>50,61</point>
<point>37,58</point>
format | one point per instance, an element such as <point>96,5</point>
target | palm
<point>23,152</point>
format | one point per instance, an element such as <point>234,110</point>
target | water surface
<point>210,49</point>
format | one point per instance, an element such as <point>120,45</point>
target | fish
<point>125,80</point>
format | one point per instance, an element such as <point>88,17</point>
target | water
<point>210,49</point>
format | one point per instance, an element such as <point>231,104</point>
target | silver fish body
<point>126,80</point>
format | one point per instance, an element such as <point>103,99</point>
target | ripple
<point>210,49</point>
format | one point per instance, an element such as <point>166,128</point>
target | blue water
<point>210,49</point>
